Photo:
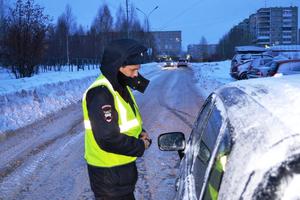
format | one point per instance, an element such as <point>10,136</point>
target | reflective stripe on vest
<point>212,191</point>
<point>129,124</point>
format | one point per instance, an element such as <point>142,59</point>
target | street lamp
<point>147,17</point>
<point>148,26</point>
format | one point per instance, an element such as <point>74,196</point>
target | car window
<point>284,68</point>
<point>255,62</point>
<point>269,64</point>
<point>216,173</point>
<point>295,66</point>
<point>204,148</point>
<point>212,129</point>
<point>245,57</point>
<point>201,122</point>
<point>266,61</point>
<point>256,56</point>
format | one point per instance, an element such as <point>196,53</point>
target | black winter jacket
<point>120,180</point>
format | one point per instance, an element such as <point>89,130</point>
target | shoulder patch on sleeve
<point>107,113</point>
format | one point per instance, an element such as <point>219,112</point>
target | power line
<point>179,15</point>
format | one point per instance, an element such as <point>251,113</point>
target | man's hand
<point>146,139</point>
<point>144,135</point>
<point>146,143</point>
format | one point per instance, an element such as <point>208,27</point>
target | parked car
<point>182,63</point>
<point>238,60</point>
<point>245,143</point>
<point>239,72</point>
<point>259,67</point>
<point>284,67</point>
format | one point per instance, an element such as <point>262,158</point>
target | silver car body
<point>262,118</point>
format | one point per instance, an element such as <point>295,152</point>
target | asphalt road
<point>45,160</point>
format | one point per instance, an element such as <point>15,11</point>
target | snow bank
<point>23,101</point>
<point>210,76</point>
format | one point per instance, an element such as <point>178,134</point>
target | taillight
<point>271,73</point>
<point>259,73</point>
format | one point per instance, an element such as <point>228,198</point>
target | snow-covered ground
<point>210,76</point>
<point>26,100</point>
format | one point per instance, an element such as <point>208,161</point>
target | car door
<point>201,144</point>
<point>212,183</point>
<point>190,167</point>
<point>210,132</point>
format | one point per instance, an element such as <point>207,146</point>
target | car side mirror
<point>172,141</point>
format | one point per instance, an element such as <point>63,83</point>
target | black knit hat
<point>135,59</point>
<point>123,52</point>
<point>119,53</point>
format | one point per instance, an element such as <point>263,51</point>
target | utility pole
<point>1,20</point>
<point>265,3</point>
<point>127,20</point>
<point>1,10</point>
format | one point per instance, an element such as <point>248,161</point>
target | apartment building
<point>168,42</point>
<point>200,51</point>
<point>275,25</point>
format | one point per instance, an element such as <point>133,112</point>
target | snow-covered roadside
<point>210,76</point>
<point>24,101</point>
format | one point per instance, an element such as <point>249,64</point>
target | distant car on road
<point>182,63</point>
<point>245,143</point>
<point>169,63</point>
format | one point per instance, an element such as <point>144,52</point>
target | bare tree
<point>103,21</point>
<point>203,48</point>
<point>2,29</point>
<point>120,25</point>
<point>27,26</point>
<point>235,37</point>
<point>67,20</point>
<point>103,27</point>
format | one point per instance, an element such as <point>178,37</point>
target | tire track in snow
<point>18,161</point>
<point>177,113</point>
<point>144,190</point>
<point>14,177</point>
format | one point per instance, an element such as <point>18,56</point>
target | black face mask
<point>138,83</point>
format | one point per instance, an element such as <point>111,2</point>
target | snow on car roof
<point>249,49</point>
<point>279,95</point>
<point>265,115</point>
<point>285,48</point>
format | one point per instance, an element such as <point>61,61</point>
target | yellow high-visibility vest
<point>129,124</point>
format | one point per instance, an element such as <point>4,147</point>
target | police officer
<point>114,136</point>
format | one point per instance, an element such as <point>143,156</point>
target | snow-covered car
<point>239,60</point>
<point>182,63</point>
<point>284,67</point>
<point>259,67</point>
<point>245,143</point>
<point>239,72</point>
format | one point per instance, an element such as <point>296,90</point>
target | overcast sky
<point>195,18</point>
